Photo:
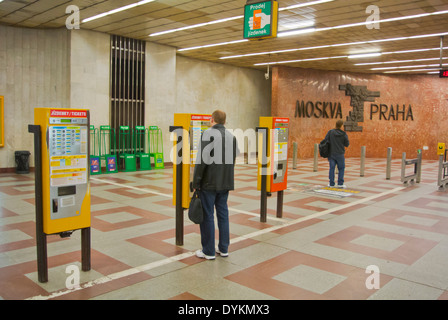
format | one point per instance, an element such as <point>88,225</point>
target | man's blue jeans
<point>339,160</point>
<point>211,200</point>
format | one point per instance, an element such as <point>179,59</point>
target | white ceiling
<point>401,42</point>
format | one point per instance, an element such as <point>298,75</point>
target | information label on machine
<point>199,123</point>
<point>281,151</point>
<point>68,170</point>
<point>68,148</point>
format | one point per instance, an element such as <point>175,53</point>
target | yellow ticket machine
<point>62,150</point>
<point>272,160</point>
<point>65,168</point>
<point>193,125</point>
<point>188,128</point>
<point>277,153</point>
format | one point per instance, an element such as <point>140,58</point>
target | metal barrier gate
<point>416,176</point>
<point>442,179</point>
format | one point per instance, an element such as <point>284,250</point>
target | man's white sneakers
<point>340,186</point>
<point>222,254</point>
<point>202,255</point>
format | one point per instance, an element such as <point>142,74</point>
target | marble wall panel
<point>426,94</point>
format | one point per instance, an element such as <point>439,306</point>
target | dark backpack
<point>324,148</point>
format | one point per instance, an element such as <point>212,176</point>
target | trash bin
<point>22,161</point>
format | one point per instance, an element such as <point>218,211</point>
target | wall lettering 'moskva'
<point>318,109</point>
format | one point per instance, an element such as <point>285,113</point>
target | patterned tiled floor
<point>320,249</point>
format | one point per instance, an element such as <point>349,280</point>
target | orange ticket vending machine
<point>187,131</point>
<point>273,136</point>
<point>62,147</point>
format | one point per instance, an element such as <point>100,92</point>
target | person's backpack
<point>324,148</point>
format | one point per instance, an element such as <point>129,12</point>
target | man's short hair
<point>219,116</point>
<point>339,124</point>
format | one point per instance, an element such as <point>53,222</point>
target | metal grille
<point>127,70</point>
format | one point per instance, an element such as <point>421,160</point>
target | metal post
<point>85,249</point>
<point>403,166</point>
<point>389,163</point>
<point>41,237</point>
<point>316,154</point>
<point>246,150</point>
<point>264,173</point>
<point>179,209</point>
<point>294,155</point>
<point>363,160</point>
<point>440,174</point>
<point>280,204</point>
<point>263,199</point>
<point>419,167</point>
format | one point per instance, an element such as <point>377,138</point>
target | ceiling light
<point>300,5</point>
<point>395,61</point>
<point>295,25</point>
<point>412,51</point>
<point>299,60</point>
<point>412,70</point>
<point>407,67</point>
<point>383,20</point>
<point>365,55</point>
<point>195,26</point>
<point>213,45</point>
<point>129,6</point>
<point>295,32</point>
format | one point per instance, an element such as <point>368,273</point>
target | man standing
<point>338,142</point>
<point>214,178</point>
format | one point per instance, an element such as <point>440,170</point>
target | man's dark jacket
<point>338,141</point>
<point>215,161</point>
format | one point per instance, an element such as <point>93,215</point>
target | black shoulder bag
<point>195,212</point>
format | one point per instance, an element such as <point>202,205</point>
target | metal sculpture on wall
<point>359,95</point>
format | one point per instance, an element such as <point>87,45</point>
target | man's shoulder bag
<point>324,148</point>
<point>195,212</point>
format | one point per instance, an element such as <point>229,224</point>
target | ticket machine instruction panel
<point>65,168</point>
